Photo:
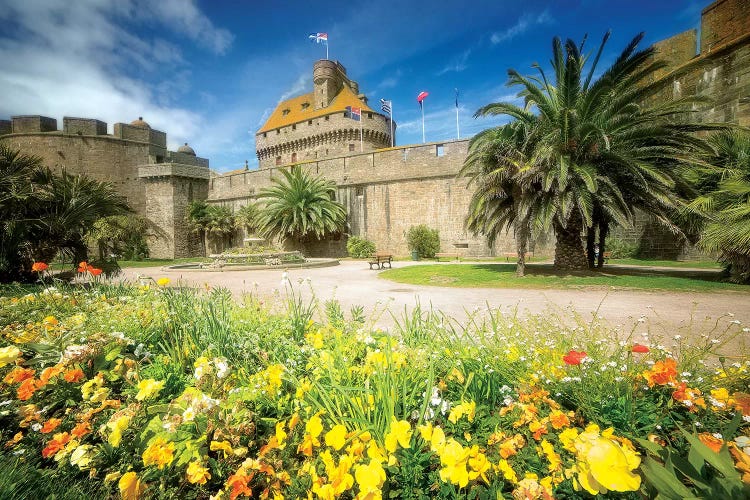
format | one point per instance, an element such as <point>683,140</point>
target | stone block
<point>33,123</point>
<point>83,126</point>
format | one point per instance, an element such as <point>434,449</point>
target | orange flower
<point>48,373</point>
<point>742,402</point>
<point>712,442</point>
<point>50,425</point>
<point>538,428</point>
<point>95,271</point>
<point>39,267</point>
<point>18,374</point>
<point>12,442</point>
<point>57,443</point>
<point>73,375</point>
<point>26,389</point>
<point>238,484</point>
<point>559,420</point>
<point>81,430</point>
<point>662,373</point>
<point>574,357</point>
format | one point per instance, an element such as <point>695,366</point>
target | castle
<point>385,189</point>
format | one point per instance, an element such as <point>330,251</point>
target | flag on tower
<point>386,106</point>
<point>318,37</point>
<point>354,113</point>
<point>422,96</point>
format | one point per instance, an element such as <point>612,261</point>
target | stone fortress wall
<point>385,190</point>
<point>157,183</point>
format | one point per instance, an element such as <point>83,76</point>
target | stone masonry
<point>156,183</point>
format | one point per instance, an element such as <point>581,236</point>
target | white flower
<point>717,435</point>
<point>222,367</point>
<point>36,427</point>
<point>189,414</point>
<point>677,337</point>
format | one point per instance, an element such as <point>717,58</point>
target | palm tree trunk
<point>603,233</point>
<point>522,239</point>
<point>590,251</point>
<point>569,254</point>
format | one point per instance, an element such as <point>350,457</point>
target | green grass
<point>543,276</point>
<point>696,264</point>
<point>63,266</point>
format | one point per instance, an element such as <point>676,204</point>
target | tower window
<point>278,160</point>
<point>294,127</point>
<point>327,117</point>
<point>439,150</point>
<point>294,157</point>
<point>351,147</point>
<point>309,122</point>
<point>305,105</point>
<point>369,115</point>
<point>265,134</point>
<point>285,112</point>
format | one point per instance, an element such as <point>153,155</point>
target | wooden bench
<point>514,255</point>
<point>380,259</point>
<point>448,255</point>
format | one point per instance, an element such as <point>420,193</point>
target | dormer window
<point>305,105</point>
<point>285,112</point>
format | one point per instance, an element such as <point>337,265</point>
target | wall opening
<point>440,150</point>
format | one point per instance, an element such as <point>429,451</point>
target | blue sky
<point>210,72</point>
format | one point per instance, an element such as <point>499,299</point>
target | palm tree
<point>246,218</point>
<point>299,206</point>
<point>495,161</point>
<point>210,221</point>
<point>724,202</point>
<point>597,152</point>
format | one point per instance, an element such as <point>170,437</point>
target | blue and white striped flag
<point>385,106</point>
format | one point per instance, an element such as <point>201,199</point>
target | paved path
<point>352,283</point>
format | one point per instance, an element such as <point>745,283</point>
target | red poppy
<point>39,267</point>
<point>95,271</point>
<point>574,357</point>
<point>640,348</point>
<point>83,267</point>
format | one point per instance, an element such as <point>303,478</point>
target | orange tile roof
<point>296,114</point>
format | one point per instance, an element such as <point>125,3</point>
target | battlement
<point>83,126</point>
<point>722,22</point>
<point>25,124</point>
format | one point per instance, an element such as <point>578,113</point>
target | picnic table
<point>380,259</point>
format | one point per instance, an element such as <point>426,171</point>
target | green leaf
<point>720,461</point>
<point>113,353</point>
<point>665,482</point>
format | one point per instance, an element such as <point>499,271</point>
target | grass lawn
<point>543,276</point>
<point>62,266</point>
<point>696,264</point>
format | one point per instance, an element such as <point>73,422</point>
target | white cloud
<point>298,87</point>
<point>523,24</point>
<point>458,64</point>
<point>77,59</point>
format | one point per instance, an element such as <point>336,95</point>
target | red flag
<point>421,96</point>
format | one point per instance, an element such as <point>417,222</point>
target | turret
<point>328,80</point>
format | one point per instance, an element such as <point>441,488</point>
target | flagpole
<point>327,50</point>
<point>361,139</point>
<point>391,123</point>
<point>421,105</point>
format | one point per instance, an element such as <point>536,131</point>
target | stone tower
<point>316,125</point>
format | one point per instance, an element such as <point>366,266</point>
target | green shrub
<point>621,249</point>
<point>359,248</point>
<point>423,240</point>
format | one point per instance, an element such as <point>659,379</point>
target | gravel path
<point>352,283</point>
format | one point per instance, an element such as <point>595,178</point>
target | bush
<point>359,248</point>
<point>621,249</point>
<point>424,240</point>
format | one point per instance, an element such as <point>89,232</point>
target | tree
<point>299,206</point>
<point>595,151</point>
<point>122,235</point>
<point>723,201</point>
<point>210,222</point>
<point>43,214</point>
<point>246,218</point>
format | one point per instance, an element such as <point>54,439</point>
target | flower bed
<point>161,392</point>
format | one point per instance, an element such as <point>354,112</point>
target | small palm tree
<point>299,206</point>
<point>724,202</point>
<point>246,218</point>
<point>210,222</point>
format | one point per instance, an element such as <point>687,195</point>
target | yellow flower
<point>454,458</point>
<point>81,456</point>
<point>280,435</point>
<point>370,478</point>
<point>425,431</point>
<point>116,428</point>
<point>508,472</point>
<point>163,281</point>
<point>400,434</point>
<point>603,465</point>
<point>273,377</point>
<point>336,437</point>
<point>478,464</point>
<point>130,486</point>
<point>375,452</point>
<point>568,437</point>
<point>159,453</point>
<point>437,440</point>
<point>224,446</point>
<point>468,409</point>
<point>9,355</point>
<point>339,476</point>
<point>314,426</point>
<point>555,463</point>
<point>197,474</point>
<point>148,388</point>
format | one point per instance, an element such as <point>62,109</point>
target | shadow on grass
<point>547,270</point>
